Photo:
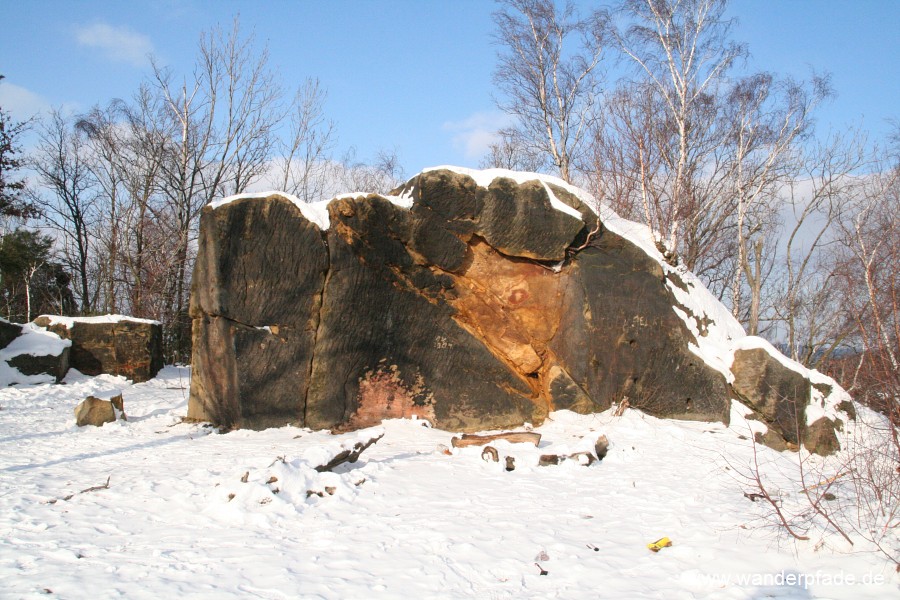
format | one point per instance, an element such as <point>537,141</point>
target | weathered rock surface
<point>780,397</point>
<point>99,411</point>
<point>256,299</point>
<point>111,344</point>
<point>472,306</point>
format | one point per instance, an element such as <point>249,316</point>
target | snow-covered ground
<point>408,520</point>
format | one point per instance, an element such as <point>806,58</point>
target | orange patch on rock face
<point>512,305</point>
<point>384,395</point>
<point>517,296</point>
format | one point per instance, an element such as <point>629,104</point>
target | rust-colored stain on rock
<point>384,395</point>
<point>514,307</point>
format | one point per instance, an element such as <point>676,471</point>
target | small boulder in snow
<point>98,411</point>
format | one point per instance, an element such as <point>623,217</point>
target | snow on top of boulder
<point>69,322</point>
<point>752,342</point>
<point>404,201</point>
<point>484,177</point>
<point>314,212</point>
<point>35,341</point>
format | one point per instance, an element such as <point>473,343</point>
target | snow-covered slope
<point>407,520</point>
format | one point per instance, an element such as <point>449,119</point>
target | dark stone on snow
<point>98,411</point>
<point>49,364</point>
<point>820,437</point>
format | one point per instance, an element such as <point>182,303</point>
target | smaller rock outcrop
<point>99,411</point>
<point>781,396</point>
<point>111,344</point>
<point>31,355</point>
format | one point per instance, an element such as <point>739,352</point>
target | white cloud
<point>20,102</point>
<point>476,133</point>
<point>117,43</point>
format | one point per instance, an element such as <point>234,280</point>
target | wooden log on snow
<point>584,458</point>
<point>490,454</point>
<point>514,437</point>
<point>548,459</point>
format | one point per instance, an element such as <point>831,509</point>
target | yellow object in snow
<point>660,544</point>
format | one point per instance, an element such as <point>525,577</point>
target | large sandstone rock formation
<point>469,300</point>
<point>112,344</point>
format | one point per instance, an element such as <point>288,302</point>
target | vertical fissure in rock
<point>318,311</point>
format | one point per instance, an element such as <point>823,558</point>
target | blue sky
<point>414,75</point>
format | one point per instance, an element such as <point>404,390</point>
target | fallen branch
<point>513,437</point>
<point>350,455</point>
<point>95,488</point>
<point>763,493</point>
<point>828,481</point>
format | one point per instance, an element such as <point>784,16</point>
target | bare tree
<point>549,83</point>
<point>144,151</point>
<point>511,152</point>
<point>699,155</point>
<point>766,121</point>
<point>127,149</point>
<point>104,159</point>
<point>380,176</point>
<point>683,52</point>
<point>62,167</point>
<point>869,282</point>
<point>306,162</point>
<point>220,126</point>
<point>820,194</point>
